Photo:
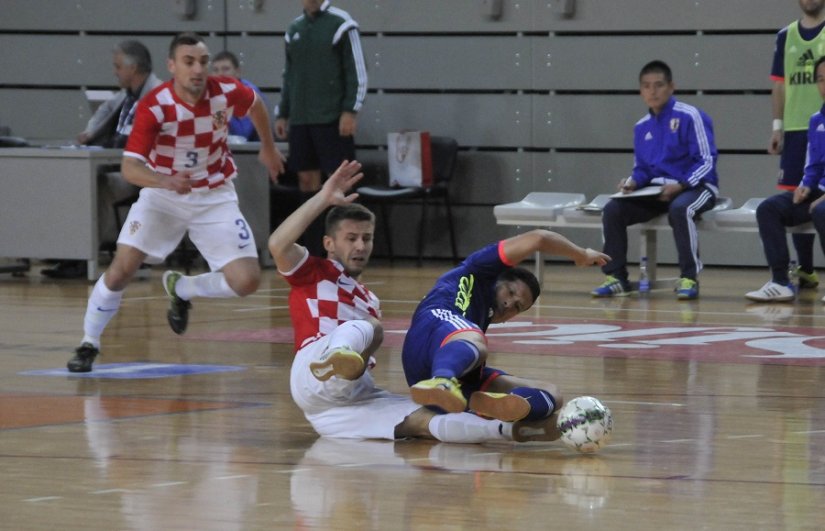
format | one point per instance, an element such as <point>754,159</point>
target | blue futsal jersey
<point>469,289</point>
<point>462,299</point>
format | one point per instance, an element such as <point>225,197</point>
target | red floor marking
<point>569,337</point>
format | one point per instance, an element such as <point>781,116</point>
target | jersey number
<point>193,159</point>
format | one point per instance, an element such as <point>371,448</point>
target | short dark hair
<point>353,211</point>
<point>186,38</point>
<point>226,55</point>
<point>657,66</point>
<point>519,273</point>
<point>137,54</point>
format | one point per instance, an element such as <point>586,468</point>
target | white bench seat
<point>537,209</point>
<point>568,210</point>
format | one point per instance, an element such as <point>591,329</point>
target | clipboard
<point>647,191</point>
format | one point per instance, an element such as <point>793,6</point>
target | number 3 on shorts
<point>244,232</point>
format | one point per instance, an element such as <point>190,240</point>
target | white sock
<point>466,428</point>
<point>213,285</point>
<point>357,335</point>
<point>102,306</point>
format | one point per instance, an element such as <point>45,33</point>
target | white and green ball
<point>585,424</point>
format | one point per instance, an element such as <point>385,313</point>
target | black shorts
<point>318,146</point>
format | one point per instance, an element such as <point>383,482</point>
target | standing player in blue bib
<point>795,98</point>
<point>445,350</point>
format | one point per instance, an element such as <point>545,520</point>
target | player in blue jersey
<point>794,98</point>
<point>673,146</point>
<point>445,350</point>
<point>790,209</point>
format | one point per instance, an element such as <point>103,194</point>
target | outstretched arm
<point>282,244</point>
<point>524,245</point>
<point>269,155</point>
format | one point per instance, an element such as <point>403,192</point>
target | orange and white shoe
<point>501,406</point>
<point>341,362</point>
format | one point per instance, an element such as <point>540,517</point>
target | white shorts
<point>160,218</point>
<point>349,409</point>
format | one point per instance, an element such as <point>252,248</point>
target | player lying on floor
<point>337,329</point>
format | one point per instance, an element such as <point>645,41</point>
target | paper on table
<point>641,192</point>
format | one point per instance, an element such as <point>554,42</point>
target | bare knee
<point>243,276</point>
<point>122,269</point>
<point>245,284</point>
<point>116,279</point>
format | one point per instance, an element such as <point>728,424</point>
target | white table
<point>48,204</point>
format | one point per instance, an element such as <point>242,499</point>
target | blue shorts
<point>318,146</point>
<point>428,331</point>
<point>792,161</point>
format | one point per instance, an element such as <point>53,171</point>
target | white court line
<point>291,470</point>
<point>636,310</point>
<point>261,308</point>
<point>753,436</point>
<point>167,484</point>
<point>810,432</point>
<point>679,441</point>
<point>232,477</point>
<point>110,491</point>
<point>669,404</point>
<point>43,498</point>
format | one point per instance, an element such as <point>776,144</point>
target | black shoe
<point>66,269</point>
<point>178,314</point>
<point>84,356</point>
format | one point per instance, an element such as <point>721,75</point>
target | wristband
<point>778,125</point>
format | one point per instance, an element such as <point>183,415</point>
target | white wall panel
<point>665,15</point>
<point>607,121</point>
<point>460,62</point>
<point>699,62</point>
<point>109,16</point>
<point>473,119</point>
<point>44,113</point>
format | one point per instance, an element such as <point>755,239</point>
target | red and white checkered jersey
<point>323,296</point>
<point>173,136</point>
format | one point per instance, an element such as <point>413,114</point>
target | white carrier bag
<point>410,159</point>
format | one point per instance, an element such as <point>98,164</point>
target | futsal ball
<point>585,424</point>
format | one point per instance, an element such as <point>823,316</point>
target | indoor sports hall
<point>718,403</point>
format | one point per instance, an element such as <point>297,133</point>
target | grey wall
<point>537,101</point>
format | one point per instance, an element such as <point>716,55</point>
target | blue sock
<point>454,359</point>
<point>541,402</point>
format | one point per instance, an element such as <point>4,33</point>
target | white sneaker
<point>772,292</point>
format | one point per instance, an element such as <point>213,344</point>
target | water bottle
<point>792,274</point>
<point>644,281</point>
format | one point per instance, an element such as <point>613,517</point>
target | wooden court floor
<point>719,409</point>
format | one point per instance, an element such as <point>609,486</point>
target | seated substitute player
<point>673,146</point>
<point>445,350</point>
<point>226,63</point>
<point>789,209</point>
<point>336,324</point>
<point>177,153</point>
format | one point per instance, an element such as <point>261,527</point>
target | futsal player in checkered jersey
<point>177,153</point>
<point>337,330</point>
